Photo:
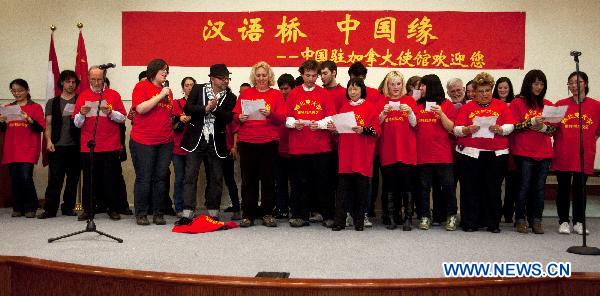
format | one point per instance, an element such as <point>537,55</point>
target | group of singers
<point>421,142</point>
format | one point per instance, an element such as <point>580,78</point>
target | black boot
<point>407,201</point>
<point>391,209</point>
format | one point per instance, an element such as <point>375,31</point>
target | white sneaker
<point>564,228</point>
<point>451,223</point>
<point>578,228</point>
<point>368,222</point>
<point>425,223</point>
<point>349,221</point>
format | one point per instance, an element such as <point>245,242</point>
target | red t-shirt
<point>433,141</point>
<point>373,95</point>
<point>261,131</point>
<point>338,94</point>
<point>356,151</point>
<point>310,106</point>
<point>108,133</point>
<point>529,143</point>
<point>153,127</point>
<point>470,110</point>
<point>21,143</point>
<point>566,138</point>
<point>177,136</point>
<point>398,140</point>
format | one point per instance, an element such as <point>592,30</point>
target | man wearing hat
<point>210,105</point>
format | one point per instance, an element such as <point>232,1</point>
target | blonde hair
<point>483,79</point>
<point>383,87</point>
<point>264,65</point>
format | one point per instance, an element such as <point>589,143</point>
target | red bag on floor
<point>203,224</point>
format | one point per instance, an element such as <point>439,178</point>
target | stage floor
<point>308,252</point>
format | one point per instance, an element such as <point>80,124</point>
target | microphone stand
<point>583,249</point>
<point>91,226</point>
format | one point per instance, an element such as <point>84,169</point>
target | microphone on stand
<point>575,53</point>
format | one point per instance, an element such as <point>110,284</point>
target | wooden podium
<point>5,184</point>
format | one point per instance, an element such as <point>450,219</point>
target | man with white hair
<point>456,91</point>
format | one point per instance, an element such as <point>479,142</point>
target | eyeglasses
<point>223,78</point>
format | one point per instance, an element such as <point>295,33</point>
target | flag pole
<point>78,204</point>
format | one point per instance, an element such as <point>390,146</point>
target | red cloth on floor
<point>203,224</point>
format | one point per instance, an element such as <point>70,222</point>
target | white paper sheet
<point>554,114</point>
<point>68,109</point>
<point>252,107</point>
<point>395,105</point>
<point>94,108</point>
<point>12,112</point>
<point>428,105</point>
<point>484,123</point>
<point>344,122</point>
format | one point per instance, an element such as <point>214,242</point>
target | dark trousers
<point>511,190</point>
<point>374,190</point>
<point>481,182</point>
<point>282,177</point>
<point>152,164</point>
<point>23,189</point>
<point>311,178</point>
<point>256,164</point>
<point>563,194</point>
<point>229,178</point>
<point>64,161</point>
<point>398,180</point>
<point>179,170</point>
<point>530,197</point>
<point>205,152</point>
<point>103,182</point>
<point>352,192</point>
<point>447,192</point>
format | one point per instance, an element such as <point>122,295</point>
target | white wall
<point>553,29</point>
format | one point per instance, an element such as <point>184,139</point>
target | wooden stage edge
<point>31,276</point>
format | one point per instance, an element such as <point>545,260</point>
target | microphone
<point>166,98</point>
<point>107,66</point>
<point>575,53</point>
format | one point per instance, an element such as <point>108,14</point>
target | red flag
<point>52,89</point>
<point>81,65</point>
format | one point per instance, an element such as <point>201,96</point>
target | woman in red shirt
<point>482,156</point>
<point>532,149</point>
<point>434,153</point>
<point>179,122</point>
<point>397,148</point>
<point>355,156</point>
<point>258,137</point>
<point>152,139</point>
<point>22,147</point>
<point>566,151</point>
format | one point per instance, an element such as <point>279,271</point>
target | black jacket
<point>195,107</point>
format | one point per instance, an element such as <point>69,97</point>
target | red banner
<point>403,39</point>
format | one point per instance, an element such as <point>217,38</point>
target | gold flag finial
<point>53,28</point>
<point>79,25</point>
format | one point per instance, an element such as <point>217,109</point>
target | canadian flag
<point>81,65</point>
<point>53,72</point>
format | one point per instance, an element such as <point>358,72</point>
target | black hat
<point>218,70</point>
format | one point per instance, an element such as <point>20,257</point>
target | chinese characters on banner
<point>443,40</point>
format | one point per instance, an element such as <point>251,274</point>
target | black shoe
<point>493,230</point>
<point>68,213</point>
<point>45,215</point>
<point>114,216</point>
<point>159,220</point>
<point>469,229</point>
<point>83,216</point>
<point>359,228</point>
<point>183,221</point>
<point>232,209</point>
<point>337,228</point>
<point>142,220</point>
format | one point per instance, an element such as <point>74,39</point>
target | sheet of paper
<point>344,122</point>
<point>252,107</point>
<point>395,105</point>
<point>12,112</point>
<point>68,109</point>
<point>428,105</point>
<point>94,108</point>
<point>554,114</point>
<point>484,123</point>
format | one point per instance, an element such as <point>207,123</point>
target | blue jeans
<point>179,171</point>
<point>151,167</point>
<point>530,197</point>
<point>23,189</point>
